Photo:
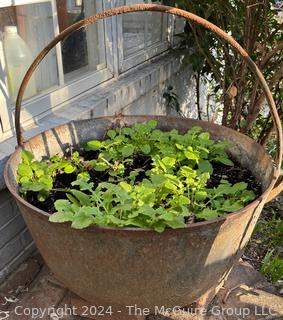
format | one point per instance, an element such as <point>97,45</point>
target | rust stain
<point>121,266</point>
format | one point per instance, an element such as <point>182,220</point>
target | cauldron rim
<point>196,225</point>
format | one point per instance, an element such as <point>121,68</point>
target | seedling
<point>137,177</point>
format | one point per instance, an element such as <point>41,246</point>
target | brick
<point>21,278</point>
<point>65,310</point>
<point>8,208</point>
<point>43,295</point>
<point>14,247</point>
<point>16,261</point>
<point>11,229</point>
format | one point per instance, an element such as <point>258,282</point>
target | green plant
<point>172,100</point>
<point>38,176</point>
<point>255,26</point>
<point>168,187</point>
<point>272,266</point>
<point>269,232</point>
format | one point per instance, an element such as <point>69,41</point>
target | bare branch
<point>278,75</point>
<point>270,55</point>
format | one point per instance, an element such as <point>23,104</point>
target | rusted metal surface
<point>127,266</point>
<point>177,12</point>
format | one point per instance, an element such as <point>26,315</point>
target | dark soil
<point>48,204</point>
<point>64,180</point>
<point>232,174</point>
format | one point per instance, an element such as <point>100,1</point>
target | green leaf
<point>101,166</point>
<point>240,186</point>
<point>191,154</point>
<point>177,223</point>
<point>179,146</point>
<point>33,186</point>
<point>62,216</point>
<point>204,136</point>
<point>248,195</point>
<point>63,205</point>
<point>159,227</point>
<point>169,161</point>
<point>73,199</point>
<point>208,214</point>
<point>125,186</point>
<point>84,176</point>
<point>205,166</point>
<point>94,145</point>
<point>127,150</point>
<point>195,130</point>
<point>83,183</point>
<point>23,179</point>
<point>224,160</point>
<point>168,216</point>
<point>158,179</point>
<point>200,195</point>
<point>81,221</point>
<point>47,180</point>
<point>25,170</point>
<point>147,211</point>
<point>152,124</point>
<point>27,157</point>
<point>82,197</point>
<point>69,168</point>
<point>114,221</point>
<point>42,195</point>
<point>231,207</point>
<point>127,131</point>
<point>184,200</point>
<point>224,189</point>
<point>111,134</point>
<point>145,148</point>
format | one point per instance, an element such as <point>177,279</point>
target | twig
<point>258,104</point>
<point>224,300</point>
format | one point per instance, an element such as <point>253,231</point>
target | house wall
<point>139,91</point>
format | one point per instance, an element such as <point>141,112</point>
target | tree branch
<point>270,55</point>
<point>258,104</point>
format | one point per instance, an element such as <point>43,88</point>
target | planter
<point>127,266</point>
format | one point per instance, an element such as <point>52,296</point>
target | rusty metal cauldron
<point>127,266</point>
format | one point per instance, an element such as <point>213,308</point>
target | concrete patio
<point>32,292</point>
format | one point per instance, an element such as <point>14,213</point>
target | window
<point>141,35</point>
<point>82,61</point>
<point>179,25</point>
<point>84,51</point>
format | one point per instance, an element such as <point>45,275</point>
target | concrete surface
<point>32,292</point>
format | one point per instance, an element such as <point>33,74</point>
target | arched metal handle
<point>177,12</point>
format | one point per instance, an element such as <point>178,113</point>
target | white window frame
<point>42,104</point>
<point>146,53</point>
<point>45,102</point>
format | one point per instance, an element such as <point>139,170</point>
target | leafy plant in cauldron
<point>138,177</point>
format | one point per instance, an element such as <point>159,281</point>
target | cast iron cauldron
<point>126,266</point>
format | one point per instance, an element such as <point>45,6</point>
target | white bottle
<point>18,59</point>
